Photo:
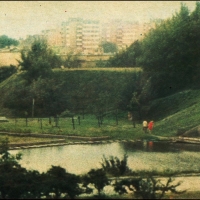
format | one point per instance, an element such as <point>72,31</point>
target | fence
<point>55,124</point>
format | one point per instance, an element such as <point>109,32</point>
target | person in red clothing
<point>150,126</point>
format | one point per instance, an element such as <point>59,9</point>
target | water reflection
<point>156,146</point>
<point>146,155</point>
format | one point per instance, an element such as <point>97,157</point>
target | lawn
<point>121,129</point>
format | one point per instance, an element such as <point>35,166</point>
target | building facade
<point>79,36</point>
<point>124,33</point>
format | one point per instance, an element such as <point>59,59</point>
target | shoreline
<point>61,140</point>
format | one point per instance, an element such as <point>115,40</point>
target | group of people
<point>148,126</point>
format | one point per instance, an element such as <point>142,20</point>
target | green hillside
<point>93,91</point>
<point>171,113</point>
<point>178,111</point>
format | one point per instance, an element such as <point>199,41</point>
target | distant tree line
<point>6,41</point>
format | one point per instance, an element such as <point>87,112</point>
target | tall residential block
<point>77,35</point>
<point>124,33</point>
<point>80,35</point>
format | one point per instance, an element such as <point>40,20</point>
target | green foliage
<point>97,177</point>
<point>6,41</point>
<point>59,182</point>
<point>39,61</point>
<point>115,166</point>
<point>18,98</point>
<point>126,58</point>
<point>19,183</point>
<point>12,174</point>
<point>170,53</point>
<point>109,47</point>
<point>7,71</point>
<point>119,185</point>
<point>101,63</point>
<point>16,182</point>
<point>147,188</point>
<point>71,61</point>
<point>85,91</point>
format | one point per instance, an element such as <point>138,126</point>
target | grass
<point>177,111</point>
<point>184,114</point>
<point>88,127</point>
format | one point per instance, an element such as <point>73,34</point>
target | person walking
<point>145,126</point>
<point>150,126</point>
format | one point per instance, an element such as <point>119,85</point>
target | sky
<point>21,18</point>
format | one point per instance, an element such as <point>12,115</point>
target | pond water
<point>146,155</point>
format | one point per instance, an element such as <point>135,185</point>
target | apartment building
<point>77,35</point>
<point>122,33</point>
<point>53,36</point>
<point>81,36</point>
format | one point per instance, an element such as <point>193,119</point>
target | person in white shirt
<point>145,126</point>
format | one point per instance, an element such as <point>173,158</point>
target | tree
<point>147,188</point>
<point>170,53</point>
<point>126,58</point>
<point>71,61</point>
<point>6,41</point>
<point>115,166</point>
<point>59,182</point>
<point>98,178</point>
<point>12,175</point>
<point>38,61</point>
<point>18,98</point>
<point>109,47</point>
<point>7,71</point>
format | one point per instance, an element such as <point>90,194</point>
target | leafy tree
<point>97,177</point>
<point>12,175</point>
<point>39,61</point>
<point>170,53</point>
<point>115,166</point>
<point>50,96</point>
<point>6,41</point>
<point>59,182</point>
<point>109,47</point>
<point>18,98</point>
<point>33,187</point>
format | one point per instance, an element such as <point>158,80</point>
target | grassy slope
<point>180,110</point>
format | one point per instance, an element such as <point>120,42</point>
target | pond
<point>146,155</point>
